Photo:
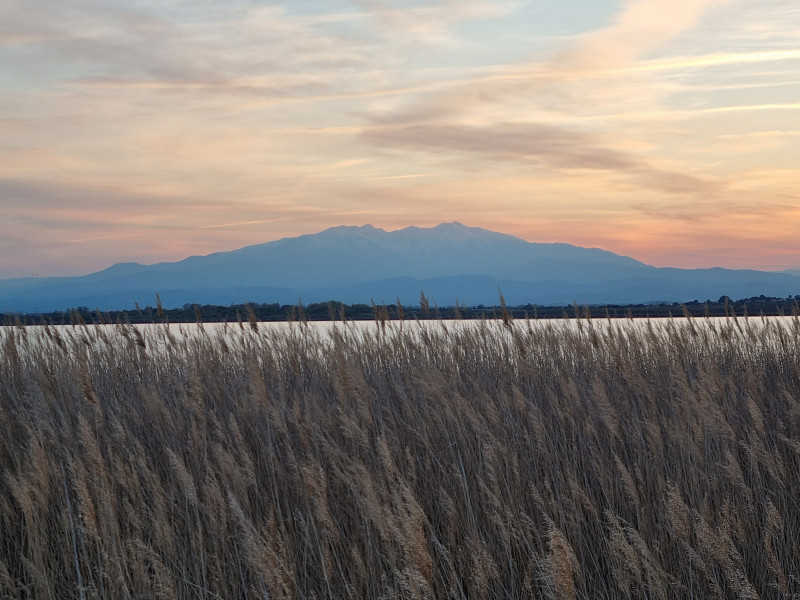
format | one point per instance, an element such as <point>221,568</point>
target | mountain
<point>448,262</point>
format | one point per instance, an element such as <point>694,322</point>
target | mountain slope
<point>356,264</point>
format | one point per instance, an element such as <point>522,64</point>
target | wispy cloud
<point>712,60</point>
<point>431,21</point>
<point>242,223</point>
<point>640,28</point>
<point>540,145</point>
<point>761,134</point>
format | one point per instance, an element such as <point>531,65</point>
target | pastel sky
<point>151,130</point>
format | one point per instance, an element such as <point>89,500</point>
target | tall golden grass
<point>508,459</point>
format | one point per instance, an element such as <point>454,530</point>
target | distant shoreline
<point>330,311</point>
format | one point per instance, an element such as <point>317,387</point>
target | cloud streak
<point>544,146</point>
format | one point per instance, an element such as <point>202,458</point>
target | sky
<point>152,130</point>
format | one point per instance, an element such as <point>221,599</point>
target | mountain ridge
<point>449,262</point>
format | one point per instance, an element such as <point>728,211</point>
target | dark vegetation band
<point>335,310</point>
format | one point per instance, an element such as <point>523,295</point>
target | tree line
<point>339,311</point>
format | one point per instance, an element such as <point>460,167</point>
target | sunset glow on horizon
<point>149,131</point>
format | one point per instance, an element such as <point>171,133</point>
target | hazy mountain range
<point>448,262</point>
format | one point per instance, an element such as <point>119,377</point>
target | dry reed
<point>508,459</point>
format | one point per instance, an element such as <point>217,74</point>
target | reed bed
<point>493,459</point>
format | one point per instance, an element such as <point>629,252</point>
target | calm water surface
<point>160,336</point>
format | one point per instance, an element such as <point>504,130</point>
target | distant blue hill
<point>449,262</point>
